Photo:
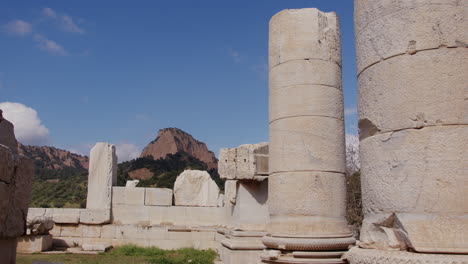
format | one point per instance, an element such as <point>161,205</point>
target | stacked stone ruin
<point>307,148</point>
<point>245,169</point>
<point>16,174</point>
<point>284,201</point>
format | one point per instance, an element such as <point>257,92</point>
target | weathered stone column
<point>412,66</point>
<point>102,176</point>
<point>307,149</point>
<point>16,175</point>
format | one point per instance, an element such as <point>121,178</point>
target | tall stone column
<point>307,148</point>
<point>412,66</point>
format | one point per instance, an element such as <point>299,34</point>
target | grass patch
<point>130,254</point>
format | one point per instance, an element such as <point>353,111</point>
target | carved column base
<point>302,257</point>
<point>358,255</point>
<point>316,249</point>
<point>240,246</point>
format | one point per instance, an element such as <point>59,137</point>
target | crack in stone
<point>405,53</point>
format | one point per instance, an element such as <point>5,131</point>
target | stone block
<point>205,216</point>
<point>179,235</point>
<point>415,170</point>
<point>411,95</point>
<point>195,188</point>
<point>66,215</point>
<point>229,256</point>
<point>36,213</point>
<point>421,232</point>
<point>170,244</point>
<point>243,162</point>
<point>203,235</point>
<point>132,232</point>
<point>108,231</point>
<point>230,191</point>
<point>34,244</point>
<point>135,241</point>
<point>204,244</point>
<point>251,210</point>
<point>158,196</point>
<point>95,216</point>
<point>118,195</point>
<point>293,38</point>
<point>305,147</point>
<point>56,230</point>
<point>306,100</point>
<point>358,255</point>
<point>102,176</point>
<point>67,241</point>
<point>91,231</point>
<point>96,247</point>
<point>135,195</point>
<point>70,231</point>
<point>312,73</point>
<point>131,214</point>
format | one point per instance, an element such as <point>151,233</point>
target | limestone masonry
<point>16,174</point>
<point>307,150</point>
<point>412,61</point>
<point>284,200</point>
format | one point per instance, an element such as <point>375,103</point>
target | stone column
<point>102,176</point>
<point>307,148</point>
<point>16,175</point>
<point>412,66</point>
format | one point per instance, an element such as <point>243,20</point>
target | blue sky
<point>118,71</point>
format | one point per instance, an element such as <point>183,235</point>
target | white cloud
<point>65,22</point>
<point>127,151</point>
<point>350,111</point>
<point>82,149</point>
<point>50,46</point>
<point>29,129</point>
<point>17,27</point>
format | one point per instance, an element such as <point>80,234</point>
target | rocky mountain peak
<point>173,140</point>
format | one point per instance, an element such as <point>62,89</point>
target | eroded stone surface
<point>15,192</point>
<point>158,196</point>
<point>102,175</point>
<point>298,34</point>
<point>416,171</point>
<point>419,232</point>
<point>386,28</point>
<point>251,210</point>
<point>357,255</point>
<point>307,148</point>
<point>426,89</point>
<point>195,188</point>
<point>307,143</point>
<point>244,162</point>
